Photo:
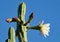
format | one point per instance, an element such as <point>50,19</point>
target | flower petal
<point>45,29</point>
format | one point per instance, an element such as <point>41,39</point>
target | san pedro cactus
<point>21,31</point>
<point>11,35</point>
<point>22,26</point>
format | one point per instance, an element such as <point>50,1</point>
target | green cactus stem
<point>21,31</point>
<point>22,35</point>
<point>11,35</point>
<point>22,11</point>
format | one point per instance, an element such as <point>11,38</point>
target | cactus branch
<point>22,11</point>
<point>11,35</point>
<point>30,18</point>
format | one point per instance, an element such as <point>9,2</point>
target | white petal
<point>45,29</point>
<point>48,24</point>
<point>42,22</point>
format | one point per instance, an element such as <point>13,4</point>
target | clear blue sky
<point>47,10</point>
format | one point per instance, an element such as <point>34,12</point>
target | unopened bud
<point>31,16</point>
<point>9,20</point>
<point>13,20</point>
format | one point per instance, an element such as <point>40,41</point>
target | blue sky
<point>47,10</point>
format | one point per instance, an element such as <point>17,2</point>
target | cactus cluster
<point>22,26</point>
<point>21,31</point>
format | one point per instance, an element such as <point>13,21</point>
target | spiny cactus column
<point>11,35</point>
<point>22,26</point>
<point>21,31</point>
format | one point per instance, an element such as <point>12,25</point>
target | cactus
<point>22,26</point>
<point>22,36</point>
<point>11,35</point>
<point>21,31</point>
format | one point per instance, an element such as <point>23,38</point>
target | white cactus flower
<point>44,29</point>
